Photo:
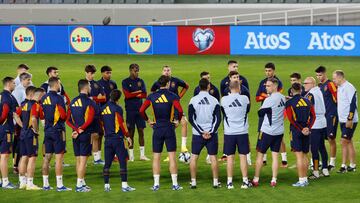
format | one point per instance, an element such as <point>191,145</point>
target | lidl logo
<point>140,40</point>
<point>81,39</point>
<point>23,39</point>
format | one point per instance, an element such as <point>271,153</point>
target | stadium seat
<point>69,1</point>
<point>239,1</point>
<point>106,1</point>
<point>144,1</point>
<point>118,1</point>
<point>331,1</point>
<point>169,1</point>
<point>131,1</point>
<point>20,1</point>
<point>251,1</point>
<point>304,1</point>
<point>93,1</point>
<point>156,1</point>
<point>8,1</point>
<point>56,1</point>
<point>344,1</point>
<point>213,1</point>
<point>44,1</point>
<point>279,1</point>
<point>32,1</point>
<point>264,1</point>
<point>317,1</point>
<point>82,1</point>
<point>226,1</point>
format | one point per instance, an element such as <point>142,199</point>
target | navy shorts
<point>96,127</point>
<point>266,141</point>
<point>239,141</point>
<point>347,133</point>
<point>55,142</point>
<point>5,142</point>
<point>115,146</point>
<point>299,142</point>
<point>29,145</point>
<point>163,135</point>
<point>198,143</point>
<point>331,126</point>
<point>133,118</point>
<point>82,145</point>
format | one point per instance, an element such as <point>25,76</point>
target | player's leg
<point>193,169</point>
<point>158,142</point>
<point>258,166</point>
<point>212,149</point>
<point>22,164</point>
<point>5,151</point>
<point>141,125</point>
<point>196,146</point>
<point>142,145</point>
<point>45,170</point>
<point>156,170</point>
<point>184,124</point>
<point>284,163</point>
<point>244,150</point>
<point>59,150</point>
<point>109,156</point>
<point>170,142</point>
<point>332,123</point>
<point>315,138</point>
<point>122,154</point>
<point>324,154</point>
<point>262,146</point>
<point>300,168</point>
<point>275,149</point>
<point>230,149</point>
<point>351,150</point>
<point>131,148</point>
<point>95,147</point>
<point>30,174</point>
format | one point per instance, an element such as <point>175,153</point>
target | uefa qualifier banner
<point>181,40</point>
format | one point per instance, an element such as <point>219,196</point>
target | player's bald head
<point>310,80</point>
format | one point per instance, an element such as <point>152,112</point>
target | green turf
<point>338,188</point>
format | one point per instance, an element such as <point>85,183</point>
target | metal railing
<point>260,18</point>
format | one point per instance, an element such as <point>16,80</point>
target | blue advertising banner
<point>140,40</point>
<point>295,40</point>
<point>81,40</point>
<point>23,39</point>
<point>244,40</point>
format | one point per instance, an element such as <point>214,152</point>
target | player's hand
<point>80,131</point>
<point>176,123</point>
<point>151,123</point>
<point>305,131</point>
<point>349,124</point>
<point>36,133</point>
<point>206,135</point>
<point>129,141</point>
<point>74,134</point>
<point>288,97</point>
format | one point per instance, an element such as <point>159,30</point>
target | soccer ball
<point>184,157</point>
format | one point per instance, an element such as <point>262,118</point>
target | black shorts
<point>347,133</point>
<point>198,143</point>
<point>133,118</point>
<point>239,141</point>
<point>163,135</point>
<point>266,141</point>
<point>332,122</point>
<point>299,142</point>
<point>82,145</point>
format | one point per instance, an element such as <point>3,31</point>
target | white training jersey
<point>316,97</point>
<point>235,108</point>
<point>273,111</point>
<point>203,111</point>
<point>347,101</point>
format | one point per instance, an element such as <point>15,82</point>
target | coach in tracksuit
<point>318,130</point>
<point>205,118</point>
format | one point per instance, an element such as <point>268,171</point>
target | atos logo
<point>267,41</point>
<point>23,39</point>
<point>81,39</point>
<point>203,39</point>
<point>325,41</point>
<point>140,40</point>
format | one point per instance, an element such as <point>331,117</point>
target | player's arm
<point>312,117</point>
<point>184,86</point>
<point>291,115</point>
<point>333,90</point>
<point>178,107</point>
<point>122,123</point>
<point>265,110</point>
<point>90,117</point>
<point>127,93</point>
<point>260,96</point>
<point>222,88</point>
<point>67,98</point>
<point>353,105</point>
<point>70,121</point>
<point>17,115</point>
<point>154,87</point>
<point>192,115</point>
<point>143,108</point>
<point>143,93</point>
<point>35,109</point>
<point>4,113</point>
<point>216,119</point>
<point>62,111</point>
<point>280,87</point>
